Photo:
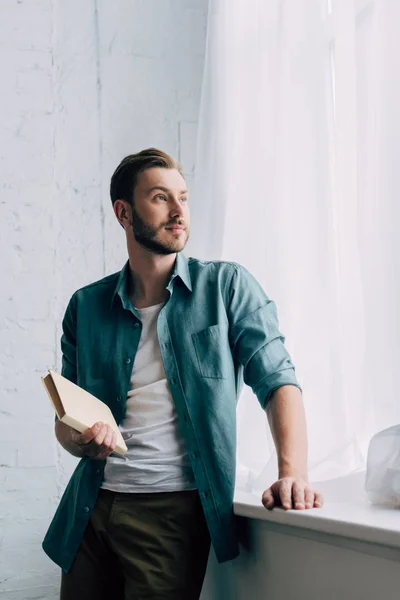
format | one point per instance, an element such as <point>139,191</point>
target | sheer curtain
<point>297,178</point>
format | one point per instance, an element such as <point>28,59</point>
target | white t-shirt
<point>156,460</point>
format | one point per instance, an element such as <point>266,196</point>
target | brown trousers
<point>140,547</point>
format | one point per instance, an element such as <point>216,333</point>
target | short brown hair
<point>124,179</point>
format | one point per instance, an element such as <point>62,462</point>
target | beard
<point>146,236</point>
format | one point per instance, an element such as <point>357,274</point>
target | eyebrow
<point>164,189</point>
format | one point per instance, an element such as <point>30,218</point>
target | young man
<point>166,343</point>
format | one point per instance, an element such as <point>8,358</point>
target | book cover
<point>77,408</point>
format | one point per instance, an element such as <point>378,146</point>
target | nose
<point>176,209</point>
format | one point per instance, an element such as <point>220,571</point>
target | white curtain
<point>297,178</point>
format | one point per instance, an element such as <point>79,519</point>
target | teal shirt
<point>217,329</point>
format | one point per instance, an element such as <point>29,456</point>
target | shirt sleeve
<point>255,339</point>
<point>68,343</point>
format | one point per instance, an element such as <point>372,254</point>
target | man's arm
<point>285,412</point>
<point>98,441</point>
<point>286,417</point>
<point>258,345</point>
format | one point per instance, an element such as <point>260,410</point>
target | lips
<point>175,228</point>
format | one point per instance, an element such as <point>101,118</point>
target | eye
<point>184,199</point>
<point>160,196</point>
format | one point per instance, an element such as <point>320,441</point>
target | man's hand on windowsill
<point>291,492</point>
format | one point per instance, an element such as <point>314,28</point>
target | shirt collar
<point>181,270</point>
<point>121,286</point>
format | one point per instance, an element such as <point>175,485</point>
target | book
<point>77,408</point>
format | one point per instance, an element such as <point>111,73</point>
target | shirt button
<point>127,361</point>
<point>98,471</point>
<point>119,399</point>
<point>173,381</point>
<point>136,325</point>
<point>86,509</point>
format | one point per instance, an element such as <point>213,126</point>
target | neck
<point>149,276</point>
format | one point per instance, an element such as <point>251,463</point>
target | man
<point>166,343</point>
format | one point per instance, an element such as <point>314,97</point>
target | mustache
<point>180,222</point>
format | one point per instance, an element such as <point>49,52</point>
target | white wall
<point>82,85</point>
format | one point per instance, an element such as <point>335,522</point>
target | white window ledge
<point>346,516</point>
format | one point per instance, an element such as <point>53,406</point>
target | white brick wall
<point>82,84</point>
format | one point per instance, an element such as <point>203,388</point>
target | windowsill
<point>346,513</point>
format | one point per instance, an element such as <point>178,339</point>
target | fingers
<point>305,497</point>
<point>99,441</point>
<point>100,437</point>
<point>292,493</point>
<point>309,495</point>
<point>87,436</point>
<point>285,493</point>
<point>318,500</point>
<point>108,444</point>
<point>298,495</point>
<point>268,499</point>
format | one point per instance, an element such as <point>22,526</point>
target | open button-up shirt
<point>217,329</point>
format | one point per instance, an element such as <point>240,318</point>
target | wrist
<point>295,471</point>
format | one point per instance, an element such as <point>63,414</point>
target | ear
<point>123,212</point>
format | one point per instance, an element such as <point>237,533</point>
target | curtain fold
<point>297,175</point>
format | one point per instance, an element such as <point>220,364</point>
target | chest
<point>189,334</point>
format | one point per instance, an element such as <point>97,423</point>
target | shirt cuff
<point>269,384</point>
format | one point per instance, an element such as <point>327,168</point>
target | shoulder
<point>110,281</point>
<point>227,272</point>
<point>102,288</point>
<point>210,268</point>
<point>229,279</point>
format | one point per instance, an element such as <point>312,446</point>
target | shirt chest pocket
<point>212,351</point>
